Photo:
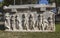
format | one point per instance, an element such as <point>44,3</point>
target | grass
<point>56,34</point>
<point>57,27</point>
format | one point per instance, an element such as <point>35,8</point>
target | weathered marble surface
<point>30,22</point>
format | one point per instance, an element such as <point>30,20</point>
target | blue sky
<point>1,0</point>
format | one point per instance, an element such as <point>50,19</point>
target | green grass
<point>58,27</point>
<point>56,34</point>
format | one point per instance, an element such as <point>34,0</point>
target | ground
<point>56,34</point>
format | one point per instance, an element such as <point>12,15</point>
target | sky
<point>1,0</point>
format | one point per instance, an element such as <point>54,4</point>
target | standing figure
<point>45,24</point>
<point>11,22</point>
<point>39,23</point>
<point>7,21</point>
<point>16,22</point>
<point>23,22</point>
<point>30,22</point>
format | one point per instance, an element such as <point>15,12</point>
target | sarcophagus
<point>30,18</point>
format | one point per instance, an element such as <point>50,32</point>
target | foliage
<point>7,2</point>
<point>0,4</point>
<point>58,2</point>
<point>10,2</point>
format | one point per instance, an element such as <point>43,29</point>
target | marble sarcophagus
<point>30,18</point>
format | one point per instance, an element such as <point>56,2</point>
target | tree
<point>58,2</point>
<point>8,2</point>
<point>17,2</point>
